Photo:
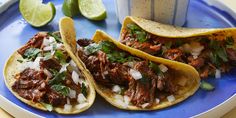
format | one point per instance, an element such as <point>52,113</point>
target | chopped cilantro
<point>60,56</point>
<point>64,90</point>
<point>84,90</point>
<point>206,86</point>
<point>20,61</point>
<point>156,68</point>
<point>230,43</point>
<point>58,78</point>
<point>136,31</point>
<point>31,53</point>
<point>92,48</point>
<point>49,107</point>
<point>56,37</point>
<point>218,54</point>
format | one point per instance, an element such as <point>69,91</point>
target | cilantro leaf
<point>55,36</point>
<point>60,56</point>
<point>84,90</point>
<point>31,53</point>
<point>92,48</point>
<point>64,90</point>
<point>156,68</point>
<point>58,78</point>
<point>136,31</point>
<point>49,107</point>
<point>206,86</point>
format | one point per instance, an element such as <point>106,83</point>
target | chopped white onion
<point>46,72</point>
<point>72,93</point>
<point>72,63</point>
<point>82,105</point>
<point>67,101</point>
<point>121,103</point>
<point>32,65</point>
<point>64,68</point>
<point>157,100</point>
<point>81,98</point>
<point>105,72</point>
<point>171,98</point>
<point>120,97</point>
<point>144,105</point>
<point>218,74</point>
<point>116,89</point>
<point>186,47</point>
<point>47,42</point>
<point>48,48</point>
<point>126,99</point>
<point>75,77</point>
<point>131,64</point>
<point>67,107</point>
<point>196,49</point>
<point>43,85</point>
<point>59,46</point>
<point>135,74</point>
<point>163,68</point>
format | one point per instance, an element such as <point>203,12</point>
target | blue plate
<point>15,32</point>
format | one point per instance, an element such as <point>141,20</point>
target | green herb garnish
<point>57,38</point>
<point>156,68</point>
<point>84,90</point>
<point>58,78</point>
<point>229,42</point>
<point>60,56</point>
<point>92,48</point>
<point>49,107</point>
<point>31,53</point>
<point>20,61</point>
<point>218,54</point>
<point>206,86</point>
<point>64,90</point>
<point>136,31</point>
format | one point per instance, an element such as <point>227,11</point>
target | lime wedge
<point>36,13</point>
<point>70,8</point>
<point>92,9</point>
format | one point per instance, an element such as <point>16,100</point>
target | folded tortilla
<point>13,67</point>
<point>218,44</point>
<point>182,71</point>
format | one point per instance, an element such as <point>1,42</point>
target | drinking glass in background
<point>164,11</point>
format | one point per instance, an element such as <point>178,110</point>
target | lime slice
<point>70,8</point>
<point>92,9</point>
<point>36,13</point>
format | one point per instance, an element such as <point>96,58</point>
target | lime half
<point>92,9</point>
<point>70,8</point>
<point>36,13</point>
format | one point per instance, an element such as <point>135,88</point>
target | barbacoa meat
<point>35,42</point>
<point>51,63</point>
<point>30,84</point>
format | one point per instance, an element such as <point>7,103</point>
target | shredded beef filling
<point>35,85</point>
<point>110,73</point>
<point>171,49</point>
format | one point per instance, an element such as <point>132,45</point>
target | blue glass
<point>15,32</point>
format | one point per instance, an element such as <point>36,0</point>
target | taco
<point>43,75</point>
<point>210,51</point>
<point>128,78</point>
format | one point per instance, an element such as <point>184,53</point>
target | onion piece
<point>144,105</point>
<point>81,98</point>
<point>158,100</point>
<point>171,98</point>
<point>72,93</point>
<point>46,72</point>
<point>218,74</point>
<point>82,105</point>
<point>121,103</point>
<point>64,68</point>
<point>135,74</point>
<point>163,68</point>
<point>67,107</point>
<point>75,77</point>
<point>116,89</point>
<point>126,99</point>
